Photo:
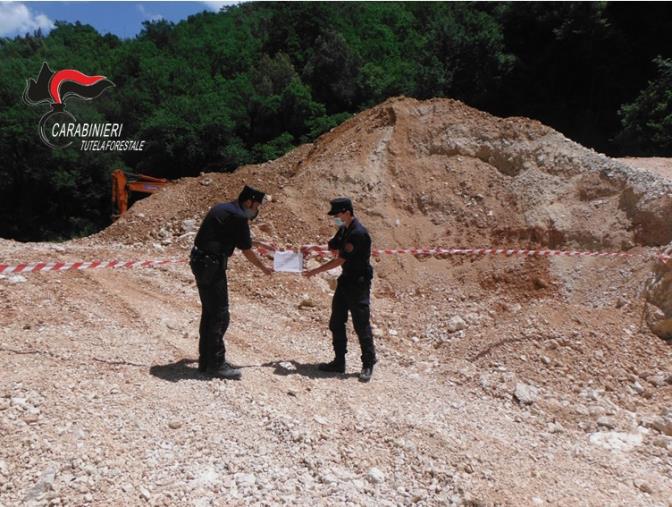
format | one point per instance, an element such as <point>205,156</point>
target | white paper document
<point>288,262</point>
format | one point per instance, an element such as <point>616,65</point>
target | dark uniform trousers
<point>210,274</point>
<point>352,296</point>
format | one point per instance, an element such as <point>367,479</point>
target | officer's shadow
<point>174,372</point>
<point>310,370</point>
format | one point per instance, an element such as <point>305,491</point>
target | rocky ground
<point>501,381</point>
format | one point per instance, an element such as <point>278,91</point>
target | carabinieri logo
<point>58,127</point>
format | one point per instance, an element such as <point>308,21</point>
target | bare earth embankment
<point>502,380</point>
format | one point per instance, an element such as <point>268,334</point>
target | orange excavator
<point>124,183</point>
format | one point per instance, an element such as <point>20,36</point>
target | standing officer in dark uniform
<point>224,228</point>
<point>353,243</point>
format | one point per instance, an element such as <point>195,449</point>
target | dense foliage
<point>647,121</point>
<point>249,83</point>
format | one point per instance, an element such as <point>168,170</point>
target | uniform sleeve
<point>361,246</point>
<point>334,242</point>
<point>243,238</point>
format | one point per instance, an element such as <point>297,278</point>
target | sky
<point>123,19</point>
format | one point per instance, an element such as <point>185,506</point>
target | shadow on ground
<point>181,370</point>
<point>286,368</point>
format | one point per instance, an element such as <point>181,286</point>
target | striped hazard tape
<point>75,266</point>
<point>323,251</point>
<point>320,251</point>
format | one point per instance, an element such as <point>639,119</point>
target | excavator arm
<point>123,183</point>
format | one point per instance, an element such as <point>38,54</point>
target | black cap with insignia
<point>251,193</point>
<point>340,204</point>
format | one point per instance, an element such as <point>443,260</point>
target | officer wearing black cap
<point>353,243</point>
<point>224,228</point>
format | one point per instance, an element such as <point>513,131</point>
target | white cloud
<point>216,6</point>
<point>147,15</point>
<point>17,19</point>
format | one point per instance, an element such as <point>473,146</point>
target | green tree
<point>333,71</point>
<point>647,121</point>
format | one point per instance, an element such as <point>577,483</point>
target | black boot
<point>225,371</point>
<point>366,373</point>
<point>336,366</point>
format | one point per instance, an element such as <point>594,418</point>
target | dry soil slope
<point>112,407</point>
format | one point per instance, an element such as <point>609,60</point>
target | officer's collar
<point>237,204</point>
<point>352,223</point>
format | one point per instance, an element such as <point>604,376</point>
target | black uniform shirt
<point>224,228</point>
<point>354,245</point>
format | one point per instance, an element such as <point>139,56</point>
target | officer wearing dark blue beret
<point>225,228</point>
<point>353,244</point>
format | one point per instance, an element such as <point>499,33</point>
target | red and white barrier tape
<point>72,266</point>
<point>322,251</point>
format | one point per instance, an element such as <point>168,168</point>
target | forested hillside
<point>247,84</point>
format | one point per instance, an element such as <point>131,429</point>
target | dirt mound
<point>433,173</point>
<point>654,165</point>
<point>436,171</point>
<point>503,380</point>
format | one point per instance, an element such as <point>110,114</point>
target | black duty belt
<point>198,253</point>
<point>211,247</point>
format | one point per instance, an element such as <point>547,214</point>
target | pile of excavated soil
<point>502,380</point>
<point>654,165</point>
